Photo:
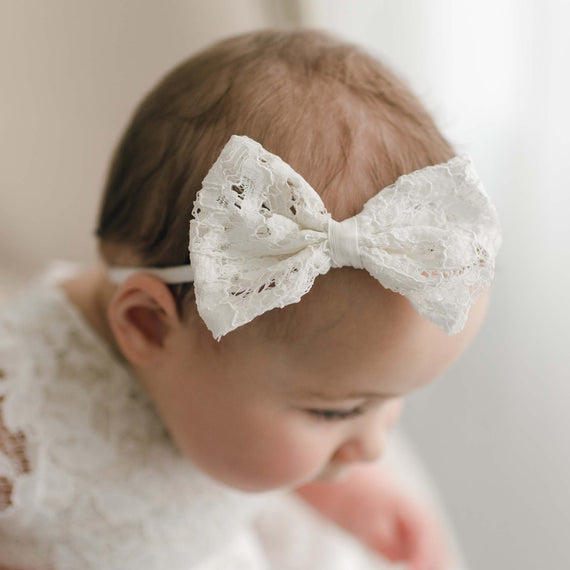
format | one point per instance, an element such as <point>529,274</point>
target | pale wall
<point>72,73</point>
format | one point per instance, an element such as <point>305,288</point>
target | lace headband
<point>260,235</point>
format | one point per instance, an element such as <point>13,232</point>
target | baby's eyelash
<point>332,415</point>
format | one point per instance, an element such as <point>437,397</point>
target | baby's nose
<point>368,443</point>
<point>368,446</point>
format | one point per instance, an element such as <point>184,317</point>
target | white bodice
<point>89,477</point>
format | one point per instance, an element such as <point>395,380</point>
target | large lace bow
<point>260,235</point>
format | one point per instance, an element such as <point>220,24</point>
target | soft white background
<point>494,428</point>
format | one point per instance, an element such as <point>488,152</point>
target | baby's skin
<point>259,413</point>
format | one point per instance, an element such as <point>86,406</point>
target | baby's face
<point>259,416</point>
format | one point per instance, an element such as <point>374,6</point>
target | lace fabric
<point>260,235</point>
<point>89,478</point>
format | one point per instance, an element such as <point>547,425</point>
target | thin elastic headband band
<point>177,274</point>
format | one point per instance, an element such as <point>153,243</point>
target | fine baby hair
<point>350,127</point>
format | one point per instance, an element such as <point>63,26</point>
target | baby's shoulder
<point>44,364</point>
<point>32,330</point>
<point>64,402</point>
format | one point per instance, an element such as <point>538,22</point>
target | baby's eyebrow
<point>344,396</point>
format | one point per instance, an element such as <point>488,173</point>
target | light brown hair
<point>339,116</point>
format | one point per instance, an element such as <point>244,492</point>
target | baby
<point>146,439</point>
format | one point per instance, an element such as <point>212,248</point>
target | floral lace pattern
<point>89,478</point>
<point>260,235</point>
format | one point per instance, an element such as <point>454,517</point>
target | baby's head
<point>307,389</point>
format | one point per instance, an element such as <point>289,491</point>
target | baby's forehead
<point>335,301</point>
<point>347,334</point>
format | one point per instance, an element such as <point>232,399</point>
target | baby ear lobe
<point>142,313</point>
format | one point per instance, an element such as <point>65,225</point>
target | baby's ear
<point>142,313</point>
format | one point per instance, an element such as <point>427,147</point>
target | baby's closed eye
<point>332,415</point>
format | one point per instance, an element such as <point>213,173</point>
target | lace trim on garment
<point>91,478</point>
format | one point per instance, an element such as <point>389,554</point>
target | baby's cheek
<point>281,457</point>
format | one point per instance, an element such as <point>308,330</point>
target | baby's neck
<point>90,292</point>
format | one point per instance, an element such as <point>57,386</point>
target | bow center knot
<point>343,240</point>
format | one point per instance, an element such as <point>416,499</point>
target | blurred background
<point>494,429</point>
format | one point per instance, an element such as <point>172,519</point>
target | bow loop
<point>258,238</point>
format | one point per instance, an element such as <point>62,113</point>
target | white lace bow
<point>260,235</point>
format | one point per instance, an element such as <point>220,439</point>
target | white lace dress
<point>90,480</point>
